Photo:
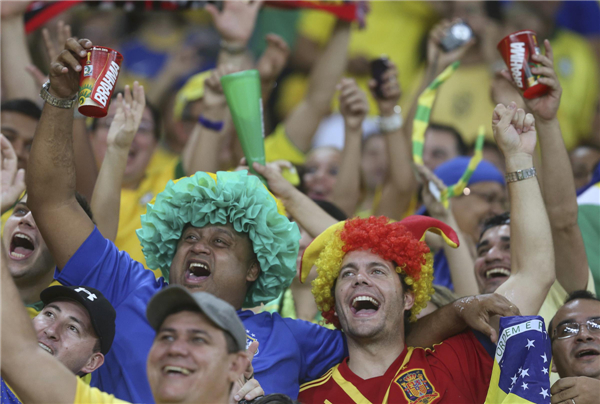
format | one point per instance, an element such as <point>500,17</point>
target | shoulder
<point>320,383</point>
<point>91,395</point>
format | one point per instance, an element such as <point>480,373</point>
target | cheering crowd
<point>363,263</point>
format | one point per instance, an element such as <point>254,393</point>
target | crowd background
<point>324,124</point>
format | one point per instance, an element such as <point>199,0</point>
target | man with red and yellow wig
<point>374,274</point>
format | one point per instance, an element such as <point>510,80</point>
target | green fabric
<point>37,306</point>
<point>589,223</point>
<point>236,198</point>
<point>179,171</point>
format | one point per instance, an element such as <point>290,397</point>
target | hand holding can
<point>517,50</point>
<point>97,81</point>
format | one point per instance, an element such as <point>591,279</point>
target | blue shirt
<point>441,270</point>
<point>6,394</point>
<point>290,352</point>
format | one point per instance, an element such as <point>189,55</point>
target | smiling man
<point>373,275</point>
<point>27,256</point>
<point>76,326</point>
<point>221,233</point>
<point>575,332</point>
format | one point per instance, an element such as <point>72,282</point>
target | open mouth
<point>364,305</point>
<point>46,348</point>
<point>587,353</point>
<point>197,271</point>
<point>176,370</point>
<point>497,273</point>
<point>21,247</point>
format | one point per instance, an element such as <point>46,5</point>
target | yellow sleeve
<point>316,25</point>
<point>91,395</point>
<point>278,146</point>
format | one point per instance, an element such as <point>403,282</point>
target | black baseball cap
<point>102,313</point>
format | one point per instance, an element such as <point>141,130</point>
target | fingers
<point>249,391</point>
<point>51,51</point>
<point>562,384</point>
<point>505,114</point>
<point>252,349</point>
<point>564,396</point>
<point>128,97</point>
<point>278,42</point>
<point>528,123</point>
<point>518,120</point>
<point>212,10</point>
<point>549,51</point>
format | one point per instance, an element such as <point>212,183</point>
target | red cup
<point>99,73</point>
<point>516,50</point>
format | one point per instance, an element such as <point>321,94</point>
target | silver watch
<point>520,175</point>
<point>56,102</point>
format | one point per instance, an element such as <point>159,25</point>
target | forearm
<point>16,82</point>
<point>460,261</point>
<point>106,200</point>
<point>304,120</point>
<point>435,327</point>
<point>532,253</point>
<point>201,152</point>
<point>51,179</point>
<point>346,190</point>
<point>22,360</point>
<point>329,68</point>
<point>307,213</point>
<point>561,202</point>
<point>558,184</point>
<point>239,60</point>
<point>85,163</point>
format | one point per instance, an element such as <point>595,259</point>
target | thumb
<point>262,170</point>
<point>252,350</point>
<point>492,333</point>
<point>20,179</point>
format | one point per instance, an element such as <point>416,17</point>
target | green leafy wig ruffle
<point>227,197</point>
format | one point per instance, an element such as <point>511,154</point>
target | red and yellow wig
<point>399,242</point>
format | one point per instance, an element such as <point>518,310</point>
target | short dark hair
<point>22,106</point>
<point>498,220</point>
<point>155,117</point>
<point>461,147</point>
<point>576,295</point>
<point>276,398</point>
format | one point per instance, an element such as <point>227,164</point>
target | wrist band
<point>208,124</point>
<point>520,175</point>
<point>232,48</point>
<point>391,123</point>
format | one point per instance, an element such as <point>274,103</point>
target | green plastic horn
<point>242,91</point>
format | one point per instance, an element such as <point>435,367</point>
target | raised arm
<point>557,183</point>
<point>201,151</point>
<point>22,359</point>
<point>304,210</point>
<point>400,183</point>
<point>459,259</point>
<point>235,24</point>
<point>106,201</point>
<point>532,254</point>
<point>51,171</point>
<point>12,180</point>
<point>303,121</point>
<point>16,82</point>
<point>354,107</point>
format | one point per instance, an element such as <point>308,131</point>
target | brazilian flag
<point>522,363</point>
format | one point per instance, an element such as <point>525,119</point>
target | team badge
<point>416,387</point>
<point>250,338</point>
<point>88,70</point>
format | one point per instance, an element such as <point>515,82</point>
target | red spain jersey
<point>455,371</point>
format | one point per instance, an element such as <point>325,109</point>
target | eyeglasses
<point>568,330</point>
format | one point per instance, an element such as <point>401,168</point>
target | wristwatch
<point>54,101</point>
<point>520,175</point>
<point>391,123</point>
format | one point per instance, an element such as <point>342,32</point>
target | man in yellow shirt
<point>197,355</point>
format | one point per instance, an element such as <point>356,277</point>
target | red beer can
<point>516,50</point>
<point>99,73</point>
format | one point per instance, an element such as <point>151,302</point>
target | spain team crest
<point>416,387</point>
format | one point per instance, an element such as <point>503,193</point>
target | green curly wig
<point>227,197</point>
